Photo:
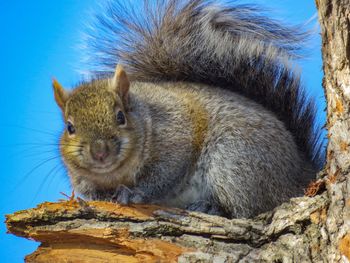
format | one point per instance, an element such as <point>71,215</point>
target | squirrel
<point>203,111</point>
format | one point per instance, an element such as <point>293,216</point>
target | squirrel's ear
<point>61,95</point>
<point>121,84</point>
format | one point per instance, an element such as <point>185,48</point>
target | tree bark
<point>306,229</point>
<point>334,17</point>
<point>80,231</point>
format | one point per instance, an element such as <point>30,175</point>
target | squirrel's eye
<point>70,128</point>
<point>120,118</point>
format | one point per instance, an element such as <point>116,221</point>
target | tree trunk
<point>307,229</point>
<point>334,17</point>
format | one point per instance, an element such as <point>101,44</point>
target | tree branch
<point>97,231</point>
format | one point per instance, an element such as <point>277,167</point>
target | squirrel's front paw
<point>124,195</point>
<point>204,206</point>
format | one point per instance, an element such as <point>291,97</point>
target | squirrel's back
<point>243,145</point>
<point>226,45</point>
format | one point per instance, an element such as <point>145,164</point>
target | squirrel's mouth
<point>102,168</point>
<point>99,161</point>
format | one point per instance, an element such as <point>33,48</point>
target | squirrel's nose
<point>99,150</point>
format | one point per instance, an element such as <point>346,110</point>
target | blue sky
<point>39,41</point>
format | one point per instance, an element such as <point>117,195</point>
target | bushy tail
<point>221,44</point>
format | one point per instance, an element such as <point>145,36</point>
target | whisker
<point>56,167</point>
<point>30,129</point>
<point>32,152</point>
<point>25,177</point>
<point>40,144</point>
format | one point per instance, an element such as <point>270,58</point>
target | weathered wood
<point>79,231</point>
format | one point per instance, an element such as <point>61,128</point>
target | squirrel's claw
<point>124,195</point>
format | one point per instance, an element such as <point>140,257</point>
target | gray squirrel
<point>203,112</point>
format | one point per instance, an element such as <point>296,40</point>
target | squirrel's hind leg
<point>230,178</point>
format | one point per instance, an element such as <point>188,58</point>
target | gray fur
<point>247,162</point>
<point>213,42</point>
<point>218,120</point>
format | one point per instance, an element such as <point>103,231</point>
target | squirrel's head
<point>99,129</point>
